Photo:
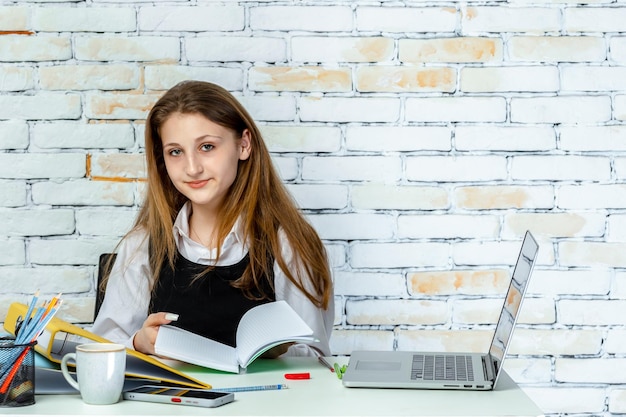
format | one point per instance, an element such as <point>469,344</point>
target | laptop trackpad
<point>377,366</point>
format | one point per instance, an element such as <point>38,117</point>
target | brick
<point>13,135</point>
<point>562,109</point>
<point>350,226</point>
<point>118,165</point>
<point>83,19</point>
<point>341,49</point>
<point>16,78</point>
<point>301,138</point>
<point>270,108</point>
<point>462,168</point>
<point>488,197</point>
<point>406,19</point>
<point>320,196</point>
<point>458,49</point>
<point>529,370</point>
<point>42,165</point>
<point>458,282</point>
<point>618,288</point>
<point>504,138</point>
<point>372,284</point>
<point>506,79</point>
<point>82,251</point>
<point>590,370</point>
<point>40,106</point>
<point>615,342</point>
<point>592,138</point>
<point>12,252</point>
<point>191,19</point>
<point>84,193</point>
<point>586,78</point>
<point>617,49</point>
<point>616,225</point>
<point>287,167</point>
<point>556,342</point>
<point>485,253</point>
<point>591,19</point>
<point>571,224</point>
<point>456,109</point>
<point>510,19</point>
<point>354,168</point>
<point>235,48</point>
<point>111,106</point>
<point>37,222</point>
<point>561,282</point>
<point>398,138</point>
<point>164,77</point>
<point>547,49</point>
<point>448,226</point>
<point>336,255</point>
<point>617,401</point>
<point>591,196</point>
<point>473,312</point>
<point>34,48</point>
<point>591,312</point>
<point>570,399</point>
<point>560,168</point>
<point>344,342</point>
<point>64,135</point>
<point>12,193</point>
<point>396,312</point>
<point>399,255</point>
<point>399,197</point>
<point>308,78</point>
<point>349,109</point>
<point>538,311</point>
<point>105,221</point>
<point>47,280</point>
<point>476,340</point>
<point>302,18</point>
<point>405,79</point>
<point>120,48</point>
<point>89,77</point>
<point>14,18</point>
<point>619,107</point>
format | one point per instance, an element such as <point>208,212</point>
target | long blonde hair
<point>257,195</point>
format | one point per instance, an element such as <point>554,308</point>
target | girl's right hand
<point>146,336</point>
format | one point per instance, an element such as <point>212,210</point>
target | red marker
<point>302,375</point>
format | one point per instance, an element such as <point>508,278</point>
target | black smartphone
<point>179,396</point>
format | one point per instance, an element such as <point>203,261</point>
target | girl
<point>217,234</point>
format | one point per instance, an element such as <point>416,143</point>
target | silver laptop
<point>448,370</point>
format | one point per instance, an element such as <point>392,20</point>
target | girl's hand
<point>146,336</point>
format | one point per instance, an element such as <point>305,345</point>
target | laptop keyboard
<point>442,368</point>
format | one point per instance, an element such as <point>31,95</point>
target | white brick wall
<point>421,139</point>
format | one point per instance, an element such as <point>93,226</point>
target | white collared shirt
<point>125,306</point>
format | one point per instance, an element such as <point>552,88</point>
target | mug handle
<point>66,373</point>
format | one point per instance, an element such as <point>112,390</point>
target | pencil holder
<point>17,373</point>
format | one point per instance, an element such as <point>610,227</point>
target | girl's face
<point>201,158</point>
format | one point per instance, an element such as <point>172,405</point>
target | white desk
<point>323,394</point>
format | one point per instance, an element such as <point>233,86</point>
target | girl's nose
<point>194,167</point>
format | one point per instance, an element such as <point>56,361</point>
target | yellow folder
<point>60,337</point>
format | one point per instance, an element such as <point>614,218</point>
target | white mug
<point>100,369</point>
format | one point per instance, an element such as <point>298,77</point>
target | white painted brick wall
<point>421,139</point>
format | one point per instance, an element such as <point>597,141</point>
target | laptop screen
<point>513,300</point>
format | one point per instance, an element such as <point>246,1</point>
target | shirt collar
<point>181,228</point>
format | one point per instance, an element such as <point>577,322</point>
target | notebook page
<point>268,325</point>
<point>176,343</point>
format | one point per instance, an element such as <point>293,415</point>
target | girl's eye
<point>206,147</point>
<point>174,152</point>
